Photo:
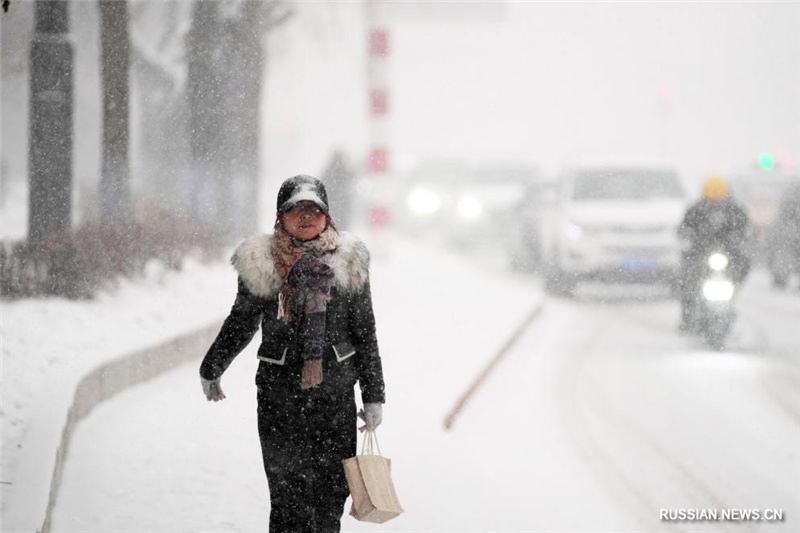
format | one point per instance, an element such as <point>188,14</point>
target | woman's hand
<point>372,414</point>
<point>212,389</point>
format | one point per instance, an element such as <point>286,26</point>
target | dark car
<point>525,247</point>
<point>783,240</point>
<point>466,206</point>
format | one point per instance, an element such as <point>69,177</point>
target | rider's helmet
<point>715,189</point>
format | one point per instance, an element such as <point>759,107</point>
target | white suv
<point>614,224</point>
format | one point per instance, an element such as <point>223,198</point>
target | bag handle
<point>370,443</point>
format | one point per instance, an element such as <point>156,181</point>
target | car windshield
<point>626,185</point>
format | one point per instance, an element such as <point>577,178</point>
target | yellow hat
<point>715,189</point>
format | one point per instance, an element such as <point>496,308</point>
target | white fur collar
<point>253,261</point>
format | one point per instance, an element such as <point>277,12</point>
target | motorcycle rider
<point>714,221</point>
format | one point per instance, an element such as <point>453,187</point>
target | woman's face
<point>304,221</point>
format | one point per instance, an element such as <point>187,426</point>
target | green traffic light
<point>766,161</point>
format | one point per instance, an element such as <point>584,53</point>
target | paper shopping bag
<point>370,481</point>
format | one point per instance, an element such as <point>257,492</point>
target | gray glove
<point>372,414</point>
<point>212,389</point>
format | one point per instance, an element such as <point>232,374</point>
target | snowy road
<point>599,417</point>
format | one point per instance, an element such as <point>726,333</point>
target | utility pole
<point>381,167</point>
<point>379,159</point>
<point>50,151</point>
<point>115,44</point>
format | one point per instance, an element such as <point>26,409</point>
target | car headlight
<point>572,230</point>
<point>423,201</point>
<point>469,207</point>
<point>718,290</point>
<point>718,261</point>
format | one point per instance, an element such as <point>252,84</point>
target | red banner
<point>378,161</point>
<point>379,42</point>
<point>379,216</point>
<point>378,102</point>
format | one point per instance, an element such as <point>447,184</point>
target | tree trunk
<point>204,92</point>
<point>243,107</point>
<point>226,62</point>
<point>115,179</point>
<point>50,152</point>
<point>163,159</point>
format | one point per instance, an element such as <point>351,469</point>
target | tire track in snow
<point>575,385</point>
<point>596,457</point>
<point>760,322</point>
<point>778,382</point>
<point>786,385</point>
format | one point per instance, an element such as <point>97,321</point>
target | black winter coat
<point>351,354</point>
<point>707,224</point>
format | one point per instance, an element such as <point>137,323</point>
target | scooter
<point>714,312</point>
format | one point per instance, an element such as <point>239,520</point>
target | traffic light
<point>766,161</point>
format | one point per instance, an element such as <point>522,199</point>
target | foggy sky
<point>705,86</point>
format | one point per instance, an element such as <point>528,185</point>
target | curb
<point>530,318</point>
<point>109,379</point>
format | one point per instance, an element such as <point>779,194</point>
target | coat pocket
<point>279,361</point>
<point>343,350</point>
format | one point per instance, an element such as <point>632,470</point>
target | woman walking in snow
<point>307,286</point>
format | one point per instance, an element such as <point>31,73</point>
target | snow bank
<point>54,350</point>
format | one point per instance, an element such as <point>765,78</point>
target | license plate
<point>640,263</point>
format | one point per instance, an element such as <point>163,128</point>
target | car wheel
<point>780,268</point>
<point>558,283</point>
<point>780,279</point>
<point>715,333</point>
